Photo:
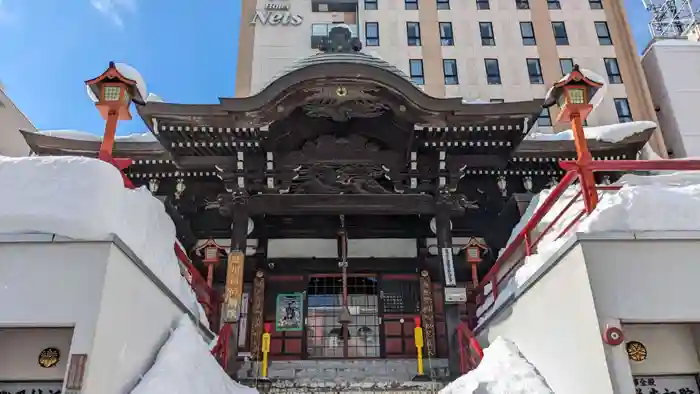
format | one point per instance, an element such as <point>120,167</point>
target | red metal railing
<point>470,351</point>
<point>525,243</point>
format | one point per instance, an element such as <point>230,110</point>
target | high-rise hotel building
<point>488,50</point>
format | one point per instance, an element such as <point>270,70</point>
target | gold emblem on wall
<point>49,357</point>
<point>636,351</point>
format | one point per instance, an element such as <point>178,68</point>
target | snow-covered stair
<point>347,376</point>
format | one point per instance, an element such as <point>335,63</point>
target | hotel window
<point>596,4</point>
<point>443,4</point>
<point>566,64</point>
<point>603,33</point>
<point>411,4</point>
<point>497,101</point>
<point>622,106</point>
<point>522,4</point>
<point>371,4</point>
<point>415,67</point>
<point>413,34</point>
<point>372,34</point>
<point>613,70</point>
<point>486,30</point>
<point>534,70</point>
<point>483,5</point>
<point>553,4</point>
<point>527,32</point>
<point>449,68</point>
<point>560,36</point>
<point>446,34</point>
<point>545,119</point>
<point>493,72</point>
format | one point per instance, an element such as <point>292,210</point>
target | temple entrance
<point>326,336</point>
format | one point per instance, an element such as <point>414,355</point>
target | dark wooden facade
<point>343,133</point>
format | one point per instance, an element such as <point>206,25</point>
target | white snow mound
<point>185,366</point>
<point>503,370</point>
<point>84,198</point>
<point>608,133</point>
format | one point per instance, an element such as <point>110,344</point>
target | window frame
<point>526,40</point>
<point>368,38</point>
<point>561,64</point>
<point>546,116</point>
<point>409,4</point>
<point>565,38</point>
<point>418,79</point>
<point>494,79</point>
<point>446,41</point>
<point>452,79</point>
<point>522,4</point>
<point>487,41</point>
<point>417,39</point>
<point>481,3</point>
<point>621,117</point>
<point>595,4</point>
<point>605,39</point>
<point>443,4</point>
<point>613,77</point>
<point>372,3</point>
<point>537,78</point>
<point>553,5</point>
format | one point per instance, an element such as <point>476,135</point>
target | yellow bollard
<point>418,338</point>
<point>265,350</point>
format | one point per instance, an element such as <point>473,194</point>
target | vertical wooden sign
<point>427,313</point>
<point>234,286</point>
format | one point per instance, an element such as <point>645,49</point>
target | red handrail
<point>220,350</point>
<point>471,353</point>
<point>523,245</point>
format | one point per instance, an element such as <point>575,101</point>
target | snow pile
<point>608,133</point>
<point>504,370</point>
<point>85,136</point>
<point>185,366</point>
<point>85,199</point>
<point>667,202</point>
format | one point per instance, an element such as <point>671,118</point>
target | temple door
<point>285,310</point>
<point>400,305</point>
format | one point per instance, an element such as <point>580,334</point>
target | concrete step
<point>305,386</point>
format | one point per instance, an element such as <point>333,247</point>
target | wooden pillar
<point>257,318</point>
<point>427,314</point>
<point>443,231</point>
<point>234,276</point>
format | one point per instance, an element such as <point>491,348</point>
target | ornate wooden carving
<point>257,315</point>
<point>427,314</point>
<point>340,179</point>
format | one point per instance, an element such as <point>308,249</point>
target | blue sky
<point>185,50</point>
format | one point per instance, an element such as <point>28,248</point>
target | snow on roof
<point>85,136</point>
<point>666,202</point>
<point>131,73</point>
<point>153,98</point>
<point>185,366</point>
<point>503,370</point>
<point>85,199</point>
<point>609,133</point>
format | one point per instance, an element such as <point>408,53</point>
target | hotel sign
<point>277,13</point>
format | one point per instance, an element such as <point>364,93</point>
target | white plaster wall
<point>675,92</point>
<point>670,348</point>
<point>11,121</point>
<point>328,248</point>
<point>135,320</point>
<point>555,325</point>
<point>53,285</point>
<point>21,348</point>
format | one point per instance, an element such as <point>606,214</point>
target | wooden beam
<point>357,204</point>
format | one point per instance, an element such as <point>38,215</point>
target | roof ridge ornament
<point>340,40</point>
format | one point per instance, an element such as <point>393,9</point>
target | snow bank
<point>85,198</point>
<point>185,366</point>
<point>667,202</point>
<point>85,136</point>
<point>504,370</point>
<point>608,133</point>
